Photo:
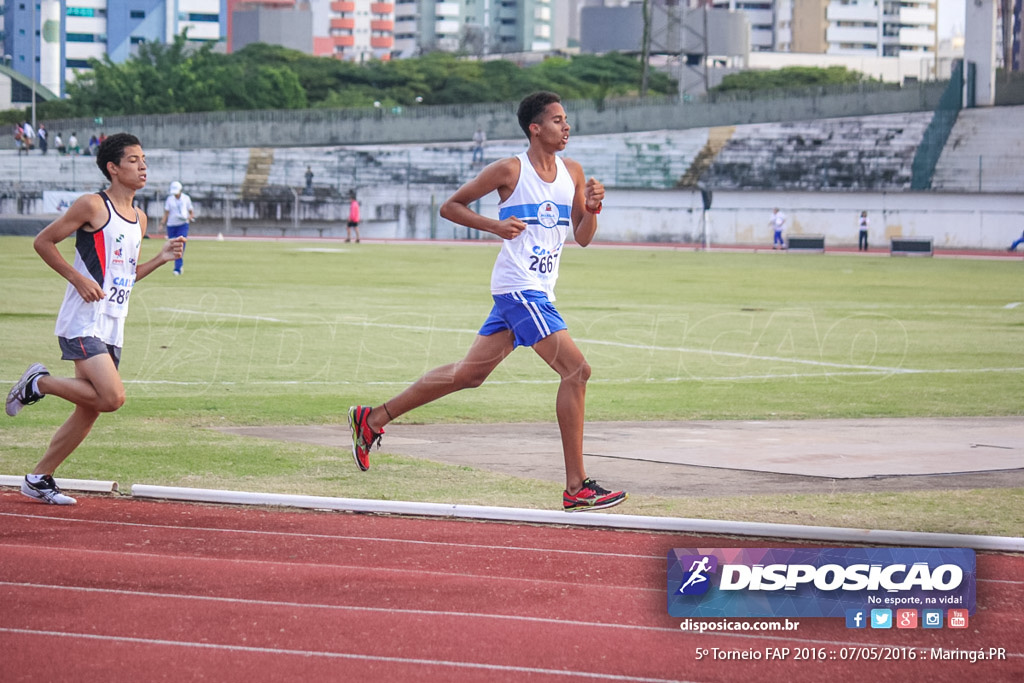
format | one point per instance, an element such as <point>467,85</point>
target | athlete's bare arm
<point>590,194</point>
<point>500,177</point>
<point>89,212</point>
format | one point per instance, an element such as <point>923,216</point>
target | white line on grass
<point>865,369</point>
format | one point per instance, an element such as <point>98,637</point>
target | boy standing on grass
<point>541,195</point>
<point>90,325</point>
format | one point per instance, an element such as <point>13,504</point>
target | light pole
<point>32,39</point>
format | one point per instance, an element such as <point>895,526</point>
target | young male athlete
<point>108,232</point>
<point>541,196</point>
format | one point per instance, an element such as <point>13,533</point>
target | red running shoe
<point>592,497</point>
<point>363,438</point>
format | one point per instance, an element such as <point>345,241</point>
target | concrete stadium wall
<point>952,221</point>
<point>318,127</point>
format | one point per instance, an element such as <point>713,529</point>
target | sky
<point>951,17</point>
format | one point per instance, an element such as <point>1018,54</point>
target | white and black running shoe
<point>21,393</point>
<point>46,490</point>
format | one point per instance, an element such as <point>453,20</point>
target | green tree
<point>175,78</point>
<point>789,77</point>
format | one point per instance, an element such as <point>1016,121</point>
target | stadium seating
<point>865,153</point>
<point>873,153</point>
<point>983,152</point>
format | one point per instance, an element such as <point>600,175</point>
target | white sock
<point>35,385</point>
<point>34,478</point>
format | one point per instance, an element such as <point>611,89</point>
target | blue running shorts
<point>81,348</point>
<point>529,315</point>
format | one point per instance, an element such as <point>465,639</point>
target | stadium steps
<point>717,139</point>
<point>257,171</point>
<point>870,153</point>
<point>983,152</point>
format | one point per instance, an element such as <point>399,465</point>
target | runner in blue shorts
<point>541,197</point>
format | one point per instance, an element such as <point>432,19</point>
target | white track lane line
<point>372,539</point>
<point>296,534</point>
<point>574,623</point>
<point>322,565</point>
<point>343,655</point>
<point>447,613</point>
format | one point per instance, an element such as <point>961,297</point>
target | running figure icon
<point>697,573</point>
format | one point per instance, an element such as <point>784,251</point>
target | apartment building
<point>60,36</point>
<point>882,28</point>
<point>68,33</point>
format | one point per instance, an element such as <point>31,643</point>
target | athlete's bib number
<point>118,296</point>
<point>116,302</point>
<point>543,264</point>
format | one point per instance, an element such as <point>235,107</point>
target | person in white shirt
<point>862,236</point>
<point>178,213</point>
<point>777,222</point>
<point>543,198</point>
<point>29,135</point>
<point>108,232</point>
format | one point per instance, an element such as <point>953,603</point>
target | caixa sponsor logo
<point>831,577</point>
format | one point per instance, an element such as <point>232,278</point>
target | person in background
<point>353,219</point>
<point>479,139</point>
<point>1018,242</point>
<point>777,222</point>
<point>862,235</point>
<point>178,214</point>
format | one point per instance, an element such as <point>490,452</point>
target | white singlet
<point>530,261</point>
<point>109,256</point>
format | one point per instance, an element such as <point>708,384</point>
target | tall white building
<point>480,27</point>
<point>883,28</point>
<point>94,28</point>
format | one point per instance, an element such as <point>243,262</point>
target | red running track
<point>127,590</point>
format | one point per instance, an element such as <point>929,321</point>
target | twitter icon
<point>881,618</point>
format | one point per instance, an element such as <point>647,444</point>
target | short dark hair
<point>532,106</point>
<point>112,150</point>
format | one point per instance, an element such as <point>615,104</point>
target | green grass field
<point>268,333</point>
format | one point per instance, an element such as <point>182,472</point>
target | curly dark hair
<point>532,106</point>
<point>112,150</point>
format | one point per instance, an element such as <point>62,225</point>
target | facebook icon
<point>856,618</point>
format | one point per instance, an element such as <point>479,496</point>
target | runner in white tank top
<point>90,325</point>
<point>530,261</point>
<point>108,256</point>
<point>541,196</point>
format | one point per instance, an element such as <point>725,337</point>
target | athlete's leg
<point>96,388</point>
<point>561,353</point>
<point>96,385</point>
<point>483,356</point>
